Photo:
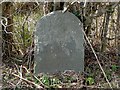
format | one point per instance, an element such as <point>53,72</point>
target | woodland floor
<point>91,79</point>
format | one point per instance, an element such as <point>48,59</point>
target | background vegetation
<point>101,23</point>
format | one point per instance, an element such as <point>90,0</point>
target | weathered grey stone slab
<point>59,43</point>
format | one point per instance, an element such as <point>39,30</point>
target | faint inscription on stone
<point>59,43</point>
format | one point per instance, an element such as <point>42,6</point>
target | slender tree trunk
<point>105,29</point>
<point>48,7</point>
<point>0,48</point>
<point>118,30</point>
<point>52,6</point>
<point>58,5</point>
<point>7,37</point>
<point>0,34</point>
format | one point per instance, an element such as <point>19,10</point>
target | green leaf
<point>36,81</point>
<point>29,78</point>
<point>76,13</point>
<point>55,81</point>
<point>114,67</point>
<point>90,80</point>
<point>46,80</point>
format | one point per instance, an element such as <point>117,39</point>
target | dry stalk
<point>97,59</point>
<point>36,85</point>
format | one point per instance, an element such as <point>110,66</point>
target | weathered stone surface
<point>59,43</point>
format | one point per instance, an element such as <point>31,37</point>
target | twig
<point>37,86</point>
<point>97,59</point>
<point>85,3</point>
<point>5,25</point>
<point>35,77</point>
<point>40,81</point>
<point>68,6</point>
<point>2,1</point>
<point>20,73</point>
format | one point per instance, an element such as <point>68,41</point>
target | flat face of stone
<point>59,43</point>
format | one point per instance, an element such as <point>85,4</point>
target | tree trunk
<point>105,29</point>
<point>0,48</point>
<point>52,6</point>
<point>48,7</point>
<point>118,30</point>
<point>6,35</point>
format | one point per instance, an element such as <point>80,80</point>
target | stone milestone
<point>59,43</point>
